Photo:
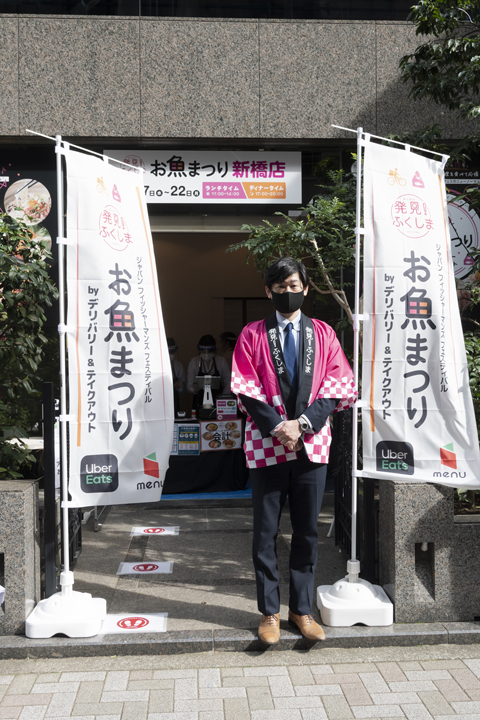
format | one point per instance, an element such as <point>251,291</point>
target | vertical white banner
<point>119,374</point>
<point>418,420</point>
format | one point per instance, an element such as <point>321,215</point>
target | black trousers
<point>304,483</point>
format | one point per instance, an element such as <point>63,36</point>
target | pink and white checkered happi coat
<point>253,375</point>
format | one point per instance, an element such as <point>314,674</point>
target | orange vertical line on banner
<point>79,386</point>
<point>372,372</point>
<point>156,301</point>
<point>447,248</point>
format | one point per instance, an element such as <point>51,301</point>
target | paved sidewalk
<point>210,596</point>
<point>441,682</point>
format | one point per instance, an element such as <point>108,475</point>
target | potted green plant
<point>26,289</point>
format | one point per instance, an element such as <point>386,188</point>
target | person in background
<point>178,374</point>
<point>207,362</point>
<point>227,346</point>
<point>289,373</point>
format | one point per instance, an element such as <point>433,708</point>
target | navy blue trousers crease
<point>304,484</point>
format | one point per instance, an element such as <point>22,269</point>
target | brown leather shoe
<point>307,626</point>
<point>269,629</point>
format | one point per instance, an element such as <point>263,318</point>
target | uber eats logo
<point>99,473</point>
<point>395,457</point>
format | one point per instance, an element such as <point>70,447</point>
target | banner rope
<point>86,150</point>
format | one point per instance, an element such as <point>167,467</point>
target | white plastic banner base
<point>174,530</point>
<point>133,623</point>
<point>77,615</point>
<point>347,603</point>
<point>145,568</point>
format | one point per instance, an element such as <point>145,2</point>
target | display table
<point>220,471</point>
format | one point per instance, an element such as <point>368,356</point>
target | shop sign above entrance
<point>177,176</point>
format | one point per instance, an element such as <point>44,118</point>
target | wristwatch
<point>304,426</point>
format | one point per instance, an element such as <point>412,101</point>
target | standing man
<point>289,373</point>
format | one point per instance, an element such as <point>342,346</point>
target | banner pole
<point>354,600</point>
<point>395,142</point>
<point>103,156</point>
<point>66,588</point>
<point>354,565</point>
<point>71,613</point>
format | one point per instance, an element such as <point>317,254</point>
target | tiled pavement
<point>441,682</point>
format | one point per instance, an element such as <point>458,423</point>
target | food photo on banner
<point>119,373</point>
<point>417,416</point>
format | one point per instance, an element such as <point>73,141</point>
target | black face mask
<point>287,302</point>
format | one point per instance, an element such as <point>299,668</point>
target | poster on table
<point>418,419</point>
<point>220,435</point>
<point>119,373</point>
<point>186,439</point>
<point>220,176</point>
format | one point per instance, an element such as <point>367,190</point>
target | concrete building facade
<point>133,82</point>
<point>151,80</point>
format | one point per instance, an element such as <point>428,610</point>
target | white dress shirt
<point>297,328</point>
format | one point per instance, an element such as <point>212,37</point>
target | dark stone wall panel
<point>316,74</point>
<point>79,76</point>
<point>396,112</point>
<point>199,78</point>
<point>9,76</point>
<point>171,78</point>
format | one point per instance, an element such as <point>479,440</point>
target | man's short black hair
<point>282,268</point>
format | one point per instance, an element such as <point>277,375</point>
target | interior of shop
<point>205,290</point>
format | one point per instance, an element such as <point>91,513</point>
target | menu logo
<point>99,473</point>
<point>448,457</point>
<point>395,457</point>
<point>151,466</point>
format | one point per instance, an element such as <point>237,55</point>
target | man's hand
<point>295,447</point>
<point>289,432</point>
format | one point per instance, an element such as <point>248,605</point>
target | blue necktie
<point>290,354</point>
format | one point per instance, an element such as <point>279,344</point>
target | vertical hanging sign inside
<point>119,375</point>
<point>418,419</point>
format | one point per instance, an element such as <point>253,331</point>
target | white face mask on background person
<point>207,356</point>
